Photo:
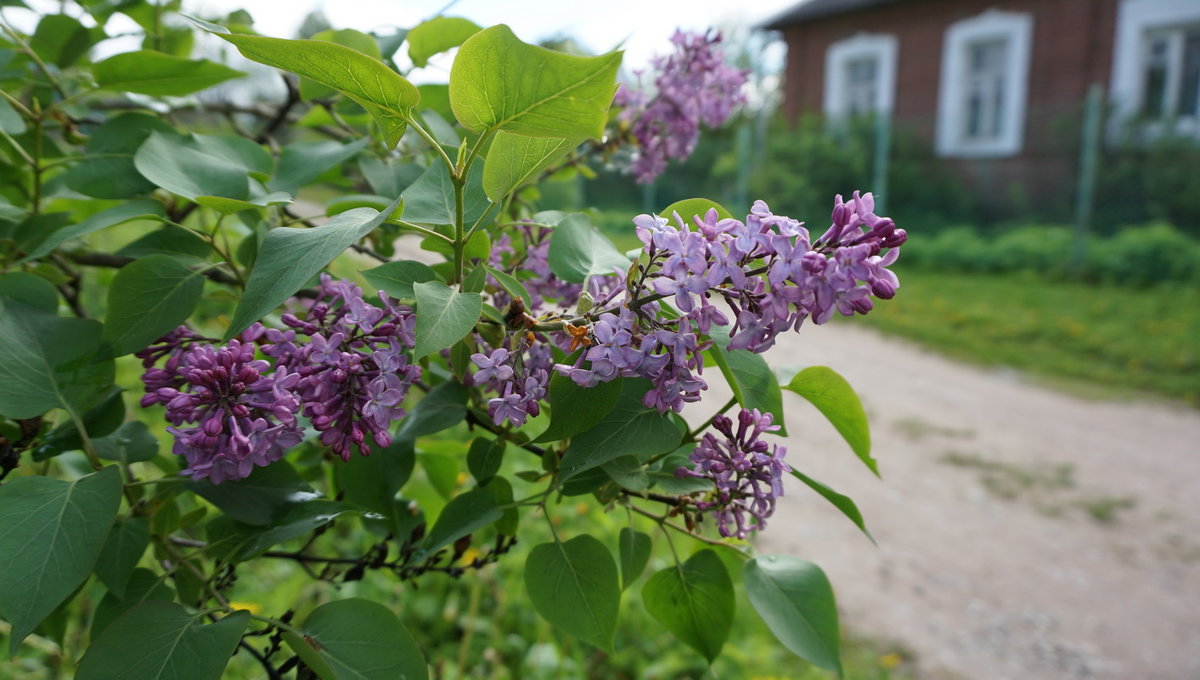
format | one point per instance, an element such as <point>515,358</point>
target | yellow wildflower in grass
<point>891,660</point>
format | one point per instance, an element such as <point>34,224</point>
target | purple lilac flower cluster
<point>519,378</point>
<point>769,273</point>
<point>748,474</point>
<point>693,85</point>
<point>343,364</point>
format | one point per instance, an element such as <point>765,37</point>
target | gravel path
<point>1022,533</point>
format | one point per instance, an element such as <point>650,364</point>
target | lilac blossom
<point>746,472</point>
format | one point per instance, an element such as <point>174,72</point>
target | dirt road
<point>1023,534</point>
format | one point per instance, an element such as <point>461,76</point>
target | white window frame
<point>880,47</point>
<point>1137,20</point>
<point>1016,29</point>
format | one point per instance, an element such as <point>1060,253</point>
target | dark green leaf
<point>629,429</point>
<point>98,421</point>
<point>29,290</point>
<point>60,39</point>
<point>159,640</point>
<point>841,502</point>
<point>694,601</point>
<point>573,585</point>
<point>795,600</point>
<point>107,169</point>
<point>512,286</point>
<point>160,75</point>
<point>513,160</point>
<point>131,443</point>
<point>444,316</point>
<point>261,498</point>
<point>751,380</point>
<point>193,166</point>
<point>634,550</point>
<point>126,543</point>
<point>356,639</point>
<point>299,520</point>
<point>499,82</point>
<point>51,533</point>
<point>836,400</point>
<point>302,162</point>
<point>101,220</point>
<point>388,180</point>
<point>182,244</point>
<point>39,360</point>
<point>444,406</point>
<point>288,258</point>
<point>438,35</point>
<point>627,472</point>
<point>431,200</point>
<point>397,278</point>
<point>10,121</point>
<point>664,479</point>
<point>575,409</point>
<point>578,251</point>
<point>147,299</point>
<point>372,481</point>
<point>143,585</point>
<point>464,514</point>
<point>484,458</point>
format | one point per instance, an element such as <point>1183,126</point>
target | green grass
<point>1123,340</point>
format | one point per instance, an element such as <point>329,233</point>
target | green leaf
<point>836,400</point>
<point>795,600</point>
<point>397,278</point>
<point>695,207</point>
<point>98,421</point>
<point>229,206</point>
<point>751,380</point>
<point>573,585</point>
<point>663,475</point>
<point>634,551</point>
<point>464,514</point>
<point>195,165</point>
<point>578,251</point>
<point>10,121</point>
<point>348,37</point>
<point>628,473</point>
<point>107,169</point>
<point>299,520</point>
<point>147,299</point>
<point>444,316</point>
<point>51,533</point>
<point>288,258</point>
<point>30,290</point>
<point>104,219</point>
<point>159,640</point>
<point>388,180</point>
<point>839,501</point>
<point>143,585</point>
<point>431,200</point>
<point>302,162</point>
<point>372,481</point>
<point>40,359</point>
<point>355,639</point>
<point>484,458</point>
<point>575,409</point>
<point>126,543</point>
<point>159,75</point>
<point>60,40</point>
<point>182,244</point>
<point>512,286</point>
<point>444,406</point>
<point>514,160</point>
<point>131,443</point>
<point>261,498</point>
<point>694,601</point>
<point>499,82</point>
<point>369,82</point>
<point>438,35</point>
<point>629,429</point>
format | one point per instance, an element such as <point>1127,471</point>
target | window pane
<point>985,80</point>
<point>1189,87</point>
<point>861,78</point>
<point>1155,77</point>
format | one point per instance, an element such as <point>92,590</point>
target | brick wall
<point>1072,48</point>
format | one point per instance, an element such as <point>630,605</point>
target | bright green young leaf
<point>29,289</point>
<point>159,640</point>
<point>51,533</point>
<point>39,360</point>
<point>438,35</point>
<point>126,543</point>
<point>355,639</point>
<point>302,162</point>
<point>444,316</point>
<point>102,220</point>
<point>430,199</point>
<point>131,443</point>
<point>484,458</point>
<point>498,82</point>
<point>578,251</point>
<point>694,601</point>
<point>629,429</point>
<point>575,409</point>
<point>348,37</point>
<point>795,600</point>
<point>839,501</point>
<point>377,88</point>
<point>160,75</point>
<point>107,169</point>
<point>693,207</point>
<point>574,586</point>
<point>397,278</point>
<point>444,406</point>
<point>515,159</point>
<point>261,498</point>
<point>464,514</point>
<point>749,377</point>
<point>836,400</point>
<point>634,551</point>
<point>289,257</point>
<point>143,585</point>
<point>148,298</point>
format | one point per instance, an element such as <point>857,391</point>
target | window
<point>860,76</point>
<point>981,96</point>
<point>1156,66</point>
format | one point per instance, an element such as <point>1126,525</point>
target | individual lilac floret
<point>747,473</point>
<point>693,85</point>
<point>243,412</point>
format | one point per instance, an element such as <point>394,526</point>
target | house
<point>997,87</point>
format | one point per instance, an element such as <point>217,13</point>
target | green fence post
<point>883,143</point>
<point>1088,156</point>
